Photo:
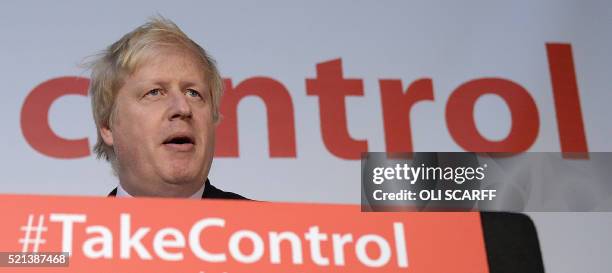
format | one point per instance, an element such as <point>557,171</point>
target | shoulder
<point>212,192</point>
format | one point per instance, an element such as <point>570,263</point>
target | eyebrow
<point>182,83</point>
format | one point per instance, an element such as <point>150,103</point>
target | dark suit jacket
<point>210,192</point>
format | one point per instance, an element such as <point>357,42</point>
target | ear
<point>107,135</point>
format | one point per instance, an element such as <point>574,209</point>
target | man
<point>155,97</point>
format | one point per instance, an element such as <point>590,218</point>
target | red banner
<point>171,235</point>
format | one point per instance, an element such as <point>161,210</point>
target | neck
<point>160,189</point>
<point>122,191</point>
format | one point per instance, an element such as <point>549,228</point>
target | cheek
<point>134,132</point>
<point>208,135</point>
<point>121,145</point>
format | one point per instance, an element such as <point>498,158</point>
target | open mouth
<point>179,140</point>
<point>179,143</point>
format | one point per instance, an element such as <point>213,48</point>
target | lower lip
<point>179,147</point>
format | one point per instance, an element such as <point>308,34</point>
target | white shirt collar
<point>121,192</point>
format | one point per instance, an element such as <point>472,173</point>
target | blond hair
<point>122,58</point>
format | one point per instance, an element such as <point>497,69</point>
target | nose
<point>179,106</point>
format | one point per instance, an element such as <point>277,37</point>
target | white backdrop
<point>449,42</point>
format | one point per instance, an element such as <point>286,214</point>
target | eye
<point>193,93</point>
<point>154,92</point>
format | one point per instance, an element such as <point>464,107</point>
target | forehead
<point>168,63</point>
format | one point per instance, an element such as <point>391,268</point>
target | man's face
<point>163,132</point>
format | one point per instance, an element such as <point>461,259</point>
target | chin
<point>180,176</point>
